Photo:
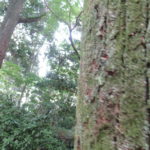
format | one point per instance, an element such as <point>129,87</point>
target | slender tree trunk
<point>112,109</point>
<point>9,24</point>
<point>23,90</point>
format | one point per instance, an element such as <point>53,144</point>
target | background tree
<point>11,19</point>
<point>113,101</point>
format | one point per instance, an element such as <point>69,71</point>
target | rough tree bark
<point>113,103</point>
<point>10,21</point>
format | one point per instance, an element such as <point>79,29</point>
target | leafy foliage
<point>38,113</point>
<point>21,129</point>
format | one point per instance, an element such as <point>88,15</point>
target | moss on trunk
<point>111,108</point>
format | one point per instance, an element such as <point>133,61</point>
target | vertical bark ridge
<point>147,82</point>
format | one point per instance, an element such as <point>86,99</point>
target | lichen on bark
<point>111,108</point>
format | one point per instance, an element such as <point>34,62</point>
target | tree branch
<point>30,20</point>
<point>77,21</point>
<point>72,43</point>
<point>68,25</point>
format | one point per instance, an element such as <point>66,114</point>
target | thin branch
<point>30,20</point>
<point>72,43</point>
<point>70,32</point>
<point>77,20</point>
<point>21,95</point>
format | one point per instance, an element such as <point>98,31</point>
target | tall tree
<point>13,17</point>
<point>112,108</point>
<point>9,24</point>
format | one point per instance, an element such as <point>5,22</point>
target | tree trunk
<point>9,24</point>
<point>112,109</point>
